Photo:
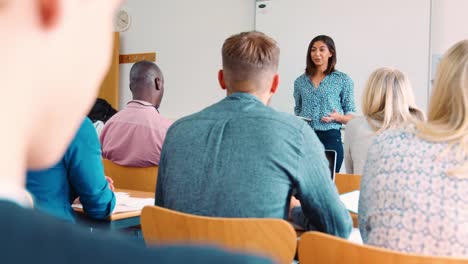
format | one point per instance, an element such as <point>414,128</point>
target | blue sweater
<point>78,174</point>
<point>240,158</point>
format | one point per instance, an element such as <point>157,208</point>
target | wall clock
<point>122,21</point>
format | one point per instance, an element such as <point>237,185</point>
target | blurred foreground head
<point>57,52</point>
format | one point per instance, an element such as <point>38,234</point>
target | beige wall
<point>187,37</point>
<point>449,23</point>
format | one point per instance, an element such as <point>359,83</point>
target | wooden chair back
<point>315,247</point>
<point>132,178</point>
<point>274,238</point>
<point>347,182</point>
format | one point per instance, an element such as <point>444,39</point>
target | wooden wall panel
<point>110,86</point>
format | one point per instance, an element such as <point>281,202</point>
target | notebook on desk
<point>125,203</point>
<point>351,201</point>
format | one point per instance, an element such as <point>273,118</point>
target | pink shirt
<point>135,135</point>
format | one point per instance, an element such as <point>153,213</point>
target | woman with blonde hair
<point>414,189</point>
<point>387,103</point>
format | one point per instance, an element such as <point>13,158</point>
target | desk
<point>115,220</point>
<point>299,230</point>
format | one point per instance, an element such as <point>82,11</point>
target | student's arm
<point>322,209</point>
<point>86,173</point>
<point>297,99</point>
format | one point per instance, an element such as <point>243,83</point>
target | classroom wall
<point>449,25</point>
<point>366,34</point>
<point>187,37</point>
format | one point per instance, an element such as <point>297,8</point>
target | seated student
<point>42,36</point>
<point>78,174</point>
<point>100,113</point>
<point>414,189</point>
<point>135,135</point>
<point>387,102</point>
<point>241,158</point>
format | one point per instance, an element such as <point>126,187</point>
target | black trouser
<point>331,140</point>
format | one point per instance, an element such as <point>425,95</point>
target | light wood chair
<point>274,238</point>
<point>347,182</point>
<point>315,247</point>
<point>131,178</point>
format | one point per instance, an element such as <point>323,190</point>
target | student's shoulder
<point>208,113</point>
<point>357,123</point>
<point>165,122</point>
<point>86,125</point>
<point>186,125</point>
<point>289,119</point>
<point>288,124</point>
<point>86,132</point>
<point>394,136</point>
<point>187,119</point>
<point>268,117</point>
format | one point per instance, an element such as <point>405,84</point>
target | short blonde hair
<point>388,99</point>
<point>248,55</point>
<point>448,107</point>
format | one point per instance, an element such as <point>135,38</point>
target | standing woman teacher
<point>325,95</point>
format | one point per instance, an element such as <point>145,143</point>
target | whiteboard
<point>367,34</point>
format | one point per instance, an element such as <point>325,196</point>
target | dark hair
<point>310,69</point>
<point>101,110</point>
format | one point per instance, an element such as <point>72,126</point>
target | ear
<point>274,84</point>
<point>49,12</point>
<point>158,83</point>
<point>221,79</point>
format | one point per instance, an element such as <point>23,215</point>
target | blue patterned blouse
<point>408,202</point>
<point>335,92</point>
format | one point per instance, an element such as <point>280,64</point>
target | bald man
<point>134,136</point>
